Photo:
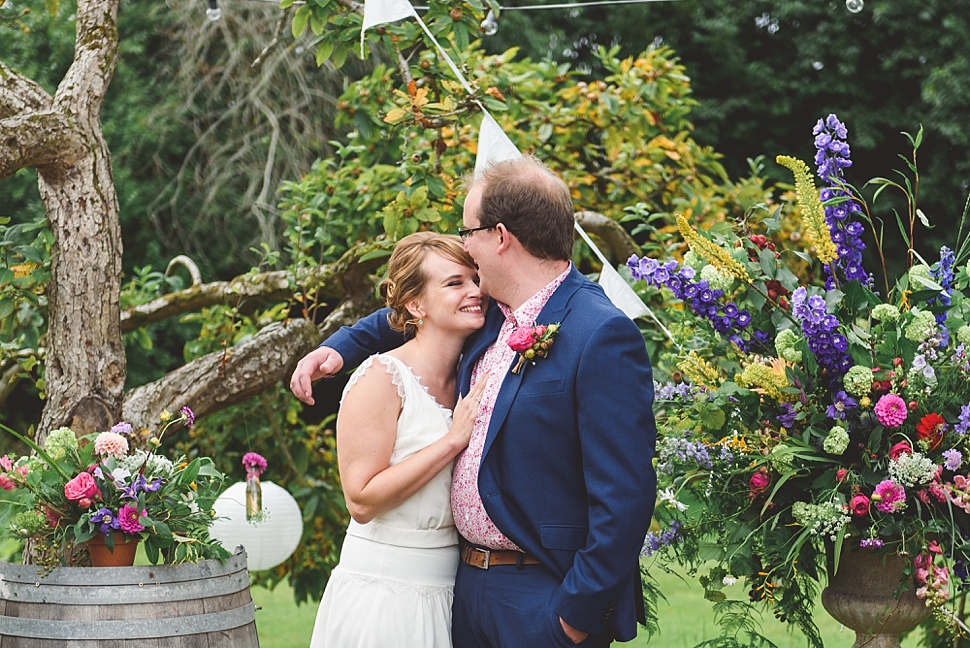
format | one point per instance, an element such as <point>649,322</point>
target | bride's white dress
<point>395,581</point>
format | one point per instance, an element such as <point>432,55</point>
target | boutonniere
<point>532,342</point>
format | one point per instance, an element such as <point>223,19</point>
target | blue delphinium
<point>655,541</point>
<point>943,273</point>
<point>841,403</point>
<point>832,156</point>
<point>698,295</point>
<point>821,331</point>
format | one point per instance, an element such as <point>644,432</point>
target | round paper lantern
<point>268,542</point>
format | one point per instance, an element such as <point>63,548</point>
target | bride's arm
<point>366,429</point>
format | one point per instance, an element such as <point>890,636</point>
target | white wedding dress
<point>395,580</point>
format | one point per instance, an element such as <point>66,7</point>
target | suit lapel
<point>555,310</point>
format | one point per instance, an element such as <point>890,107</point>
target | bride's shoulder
<point>379,376</point>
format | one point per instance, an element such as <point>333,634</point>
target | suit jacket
<point>567,469</point>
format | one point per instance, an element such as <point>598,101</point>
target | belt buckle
<point>486,553</point>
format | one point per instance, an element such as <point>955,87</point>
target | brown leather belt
<point>485,558</point>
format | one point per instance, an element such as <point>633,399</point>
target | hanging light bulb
<point>213,12</point>
<point>854,6</point>
<point>490,24</point>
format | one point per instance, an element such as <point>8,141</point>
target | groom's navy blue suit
<point>567,469</point>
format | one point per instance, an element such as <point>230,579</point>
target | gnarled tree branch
<point>346,276</point>
<point>214,382</point>
<point>38,139</point>
<point>19,94</point>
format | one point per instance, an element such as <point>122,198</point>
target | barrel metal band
<point>130,629</point>
<point>149,592</point>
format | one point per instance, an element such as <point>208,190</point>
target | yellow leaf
<point>395,115</point>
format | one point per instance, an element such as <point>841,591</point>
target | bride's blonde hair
<point>406,279</point>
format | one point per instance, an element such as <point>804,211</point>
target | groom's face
<point>477,243</point>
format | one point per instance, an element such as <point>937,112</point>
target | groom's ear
<point>505,238</point>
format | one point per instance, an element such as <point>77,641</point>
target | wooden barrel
<point>201,605</point>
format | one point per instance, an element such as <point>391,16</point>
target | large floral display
<point>817,403</point>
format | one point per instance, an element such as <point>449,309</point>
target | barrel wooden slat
<point>192,606</point>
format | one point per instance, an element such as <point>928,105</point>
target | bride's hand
<point>466,411</point>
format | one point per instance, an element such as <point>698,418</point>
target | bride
<point>396,442</point>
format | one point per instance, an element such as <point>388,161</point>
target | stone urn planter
<point>860,596</point>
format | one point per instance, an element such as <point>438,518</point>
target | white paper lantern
<point>267,543</point>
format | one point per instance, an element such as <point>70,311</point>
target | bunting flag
<point>494,145</point>
<point>378,12</point>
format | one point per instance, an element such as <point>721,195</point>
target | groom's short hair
<point>532,202</point>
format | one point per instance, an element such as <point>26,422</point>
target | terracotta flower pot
<point>122,556</point>
<point>860,596</point>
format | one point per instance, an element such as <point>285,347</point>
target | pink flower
<point>6,483</point>
<point>82,486</point>
<point>254,464</point>
<point>758,483</point>
<point>889,496</point>
<point>111,444</point>
<point>841,474</point>
<point>522,339</point>
<point>891,410</point>
<point>128,519</point>
<point>6,463</point>
<point>85,503</point>
<point>859,505</point>
<point>899,449</point>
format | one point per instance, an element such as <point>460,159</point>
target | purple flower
<point>107,519</point>
<point>654,542</point>
<point>872,542</point>
<point>787,416</point>
<point>121,428</point>
<point>964,425</point>
<point>841,402</point>
<point>953,459</point>
<point>189,416</point>
<point>821,331</point>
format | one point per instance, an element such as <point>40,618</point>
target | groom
<point>554,494</point>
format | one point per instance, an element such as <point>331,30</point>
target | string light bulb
<point>490,24</point>
<point>213,13</point>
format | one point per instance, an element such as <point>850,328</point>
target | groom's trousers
<point>509,606</point>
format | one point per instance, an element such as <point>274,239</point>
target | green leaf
<point>6,308</point>
<point>340,55</point>
<point>300,20</point>
<point>768,263</point>
<point>375,254</point>
<point>390,222</point>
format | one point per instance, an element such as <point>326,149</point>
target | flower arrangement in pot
<point>100,490</point>
<point>812,405</point>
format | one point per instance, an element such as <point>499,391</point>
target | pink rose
<point>758,483</point>
<point>80,487</point>
<point>85,502</point>
<point>859,505</point>
<point>540,331</point>
<point>841,474</point>
<point>521,339</point>
<point>900,448</point>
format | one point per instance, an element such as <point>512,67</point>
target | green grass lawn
<point>684,622</point>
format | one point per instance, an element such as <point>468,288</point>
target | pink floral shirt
<point>466,502</point>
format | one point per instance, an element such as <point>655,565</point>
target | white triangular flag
<point>493,144</point>
<point>378,12</point>
<point>621,294</point>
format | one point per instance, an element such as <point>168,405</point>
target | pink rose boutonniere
<point>532,342</point>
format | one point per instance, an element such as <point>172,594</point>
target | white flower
<point>911,469</point>
<point>667,496</point>
<point>729,580</point>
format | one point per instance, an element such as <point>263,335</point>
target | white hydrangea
<point>912,469</point>
<point>716,279</point>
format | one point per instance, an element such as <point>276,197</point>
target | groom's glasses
<point>465,233</point>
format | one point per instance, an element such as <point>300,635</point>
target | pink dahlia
<point>889,496</point>
<point>891,410</point>
<point>128,519</point>
<point>254,464</point>
<point>111,444</point>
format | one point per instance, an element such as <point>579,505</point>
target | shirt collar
<point>526,313</point>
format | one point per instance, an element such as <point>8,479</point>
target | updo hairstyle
<point>406,279</point>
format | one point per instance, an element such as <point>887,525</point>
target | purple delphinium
<point>698,295</point>
<point>821,331</point>
<point>654,541</point>
<point>964,425</point>
<point>841,402</point>
<point>832,156</point>
<point>943,273</point>
<point>787,416</point>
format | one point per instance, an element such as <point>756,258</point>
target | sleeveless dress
<point>394,583</point>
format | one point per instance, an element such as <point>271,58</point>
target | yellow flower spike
<point>812,211</point>
<point>711,252</point>
<point>698,370</point>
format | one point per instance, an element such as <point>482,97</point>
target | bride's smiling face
<point>451,299</point>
